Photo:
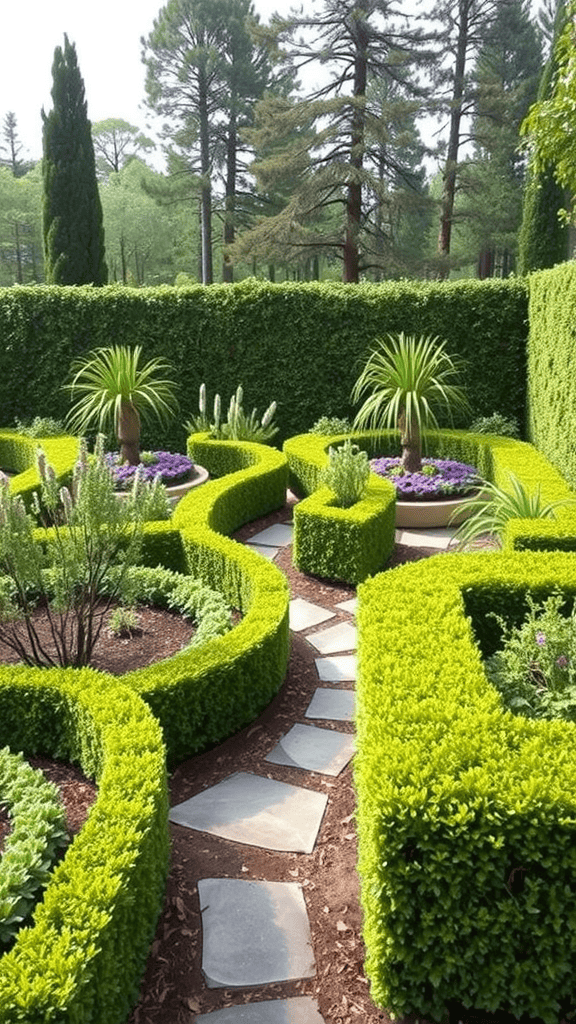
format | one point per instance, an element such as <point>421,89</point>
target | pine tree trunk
<point>357,142</point>
<point>449,189</point>
<point>230,201</point>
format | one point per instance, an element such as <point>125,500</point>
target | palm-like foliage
<point>407,379</point>
<point>491,511</point>
<point>114,390</point>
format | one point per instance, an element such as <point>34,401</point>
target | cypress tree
<point>543,238</point>
<point>72,212</point>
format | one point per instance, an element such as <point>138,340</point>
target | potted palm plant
<point>112,388</point>
<point>406,381</point>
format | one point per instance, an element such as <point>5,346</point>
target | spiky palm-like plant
<point>114,390</point>
<point>496,506</point>
<point>407,379</point>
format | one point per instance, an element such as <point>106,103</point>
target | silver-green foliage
<point>328,425</point>
<point>347,473</point>
<point>495,424</point>
<point>238,425</point>
<point>38,832</point>
<point>40,426</point>
<point>535,671</point>
<point>90,531</point>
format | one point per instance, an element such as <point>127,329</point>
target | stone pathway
<point>257,932</point>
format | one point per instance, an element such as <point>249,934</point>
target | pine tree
<point>72,212</point>
<point>543,237</point>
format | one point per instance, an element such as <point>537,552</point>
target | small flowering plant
<point>437,478</point>
<point>169,467</point>
<point>535,671</point>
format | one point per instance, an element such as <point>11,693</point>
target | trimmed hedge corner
<point>84,956</point>
<point>17,453</point>
<point>466,813</point>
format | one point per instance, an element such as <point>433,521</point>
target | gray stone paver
<point>304,614</point>
<point>336,705</point>
<point>278,535</point>
<point>298,1010</point>
<point>341,637</point>
<point>326,751</point>
<point>339,668</point>
<point>265,551</point>
<point>436,537</point>
<point>253,933</point>
<point>250,809</point>
<point>349,606</point>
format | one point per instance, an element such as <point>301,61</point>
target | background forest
<point>351,142</point>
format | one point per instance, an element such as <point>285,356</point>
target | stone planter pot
<point>199,475</point>
<point>414,515</point>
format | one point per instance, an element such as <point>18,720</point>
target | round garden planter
<point>199,475</point>
<point>414,515</point>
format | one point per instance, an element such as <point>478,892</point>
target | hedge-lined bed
<point>83,959</point>
<point>18,454</point>
<point>466,813</point>
<point>350,544</point>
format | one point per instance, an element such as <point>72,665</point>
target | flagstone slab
<point>254,933</point>
<point>337,705</point>
<point>436,537</point>
<point>304,614</point>
<point>340,668</point>
<point>349,606</point>
<point>250,809</point>
<point>278,535</point>
<point>298,1010</point>
<point>316,750</point>
<point>341,637</point>
<point>267,552</point>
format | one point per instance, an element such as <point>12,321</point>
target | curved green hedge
<point>466,813</point>
<point>17,453</point>
<point>83,959</point>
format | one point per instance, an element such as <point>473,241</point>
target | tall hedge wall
<point>551,366</point>
<point>301,344</point>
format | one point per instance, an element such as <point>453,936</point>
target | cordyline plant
<point>489,513</point>
<point>407,379</point>
<point>62,570</point>
<point>114,390</point>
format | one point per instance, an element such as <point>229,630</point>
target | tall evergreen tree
<point>543,236</point>
<point>72,212</point>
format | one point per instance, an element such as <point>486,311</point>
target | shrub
<point>327,425</point>
<point>237,426</point>
<point>495,424</point>
<point>347,473</point>
<point>41,426</point>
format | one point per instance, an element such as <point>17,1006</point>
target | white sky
<point>107,36</point>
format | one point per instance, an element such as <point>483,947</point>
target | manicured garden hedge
<point>301,344</point>
<point>83,959</point>
<point>18,454</point>
<point>551,361</point>
<point>466,813</point>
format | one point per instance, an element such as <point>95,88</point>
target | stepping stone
<point>436,537</point>
<point>340,668</point>
<point>304,613</point>
<point>341,637</point>
<point>316,750</point>
<point>298,1010</point>
<point>265,551</point>
<point>253,933</point>
<point>250,809</point>
<point>278,535</point>
<point>337,705</point>
<point>349,606</point>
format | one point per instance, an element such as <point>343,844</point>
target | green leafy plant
<point>328,425</point>
<point>489,513</point>
<point>406,379</point>
<point>115,390</point>
<point>123,621</point>
<point>238,426</point>
<point>347,473</point>
<point>535,671</point>
<point>37,836</point>
<point>41,426</point>
<point>91,531</point>
<point>495,424</point>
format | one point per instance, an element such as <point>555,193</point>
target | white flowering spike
<point>267,417</point>
<point>41,464</point>
<point>4,482</point>
<point>217,411</point>
<point>202,399</point>
<point>66,499</point>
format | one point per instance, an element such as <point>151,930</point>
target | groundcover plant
<point>437,478</point>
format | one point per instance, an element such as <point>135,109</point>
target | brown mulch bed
<point>173,990</point>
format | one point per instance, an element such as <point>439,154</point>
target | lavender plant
<point>347,473</point>
<point>535,671</point>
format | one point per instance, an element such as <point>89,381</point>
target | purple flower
<point>451,479</point>
<point>562,661</point>
<point>171,467</point>
<point>540,638</point>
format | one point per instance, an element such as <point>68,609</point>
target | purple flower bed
<point>440,478</point>
<point>172,467</point>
